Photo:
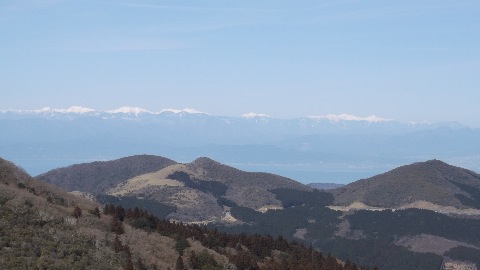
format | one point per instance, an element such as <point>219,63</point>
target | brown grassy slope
<point>432,181</point>
<point>38,231</point>
<point>197,202</point>
<point>97,177</point>
<point>248,189</point>
<point>213,170</point>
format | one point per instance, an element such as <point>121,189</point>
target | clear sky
<point>404,60</point>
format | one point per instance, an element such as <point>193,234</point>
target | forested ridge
<point>244,251</point>
<point>299,236</point>
<point>377,230</point>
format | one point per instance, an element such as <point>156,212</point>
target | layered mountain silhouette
<point>418,216</point>
<point>432,181</point>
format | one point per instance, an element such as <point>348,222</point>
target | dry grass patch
<point>426,243</point>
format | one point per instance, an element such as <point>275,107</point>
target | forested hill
<point>199,191</point>
<point>42,227</point>
<point>96,177</point>
<point>432,181</point>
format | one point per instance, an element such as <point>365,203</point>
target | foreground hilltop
<point>43,227</point>
<point>432,181</point>
<point>202,190</point>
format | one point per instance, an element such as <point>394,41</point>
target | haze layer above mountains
<point>337,149</point>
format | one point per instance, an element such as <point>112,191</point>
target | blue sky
<point>403,60</point>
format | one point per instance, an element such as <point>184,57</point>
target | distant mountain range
<point>323,124</point>
<point>328,148</point>
<point>324,186</point>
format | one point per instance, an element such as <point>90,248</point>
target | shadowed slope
<point>200,190</point>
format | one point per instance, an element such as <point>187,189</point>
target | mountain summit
<point>431,181</point>
<point>98,176</point>
<point>202,190</point>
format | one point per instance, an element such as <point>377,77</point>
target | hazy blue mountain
<point>331,148</point>
<point>324,186</point>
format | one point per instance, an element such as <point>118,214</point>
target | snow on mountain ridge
<point>71,109</point>
<point>129,110</point>
<point>75,109</point>
<point>186,110</point>
<point>349,117</point>
<point>84,110</point>
<point>254,115</point>
<point>137,111</point>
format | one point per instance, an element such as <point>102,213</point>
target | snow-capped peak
<point>129,110</point>
<point>186,110</point>
<point>42,110</point>
<point>74,109</point>
<point>255,115</point>
<point>349,117</point>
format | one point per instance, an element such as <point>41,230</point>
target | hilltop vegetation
<point>307,219</point>
<point>97,177</point>
<point>195,191</point>
<point>242,251</point>
<point>38,232</point>
<point>433,181</point>
<point>42,227</point>
<point>237,202</point>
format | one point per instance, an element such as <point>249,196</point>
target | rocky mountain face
<point>432,181</point>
